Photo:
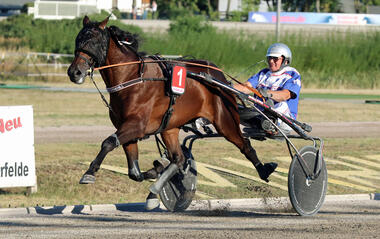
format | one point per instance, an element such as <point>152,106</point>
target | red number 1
<point>179,74</point>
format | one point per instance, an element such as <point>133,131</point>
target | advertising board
<point>17,161</point>
<point>315,18</point>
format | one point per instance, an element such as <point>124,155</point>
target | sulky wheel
<point>177,194</point>
<point>307,195</point>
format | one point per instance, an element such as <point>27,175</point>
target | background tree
<point>310,5</point>
<point>170,9</point>
<point>362,6</point>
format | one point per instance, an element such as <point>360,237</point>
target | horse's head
<point>91,47</point>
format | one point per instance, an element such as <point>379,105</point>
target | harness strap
<point>167,115</point>
<point>130,83</point>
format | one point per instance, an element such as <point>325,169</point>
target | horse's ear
<point>103,24</point>
<point>86,20</point>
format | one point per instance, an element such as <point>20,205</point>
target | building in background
<point>136,9</point>
<point>68,9</point>
<point>225,7</point>
<point>11,7</point>
<point>64,9</point>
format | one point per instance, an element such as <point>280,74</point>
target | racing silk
<point>288,78</point>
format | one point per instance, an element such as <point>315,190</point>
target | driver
<point>279,83</point>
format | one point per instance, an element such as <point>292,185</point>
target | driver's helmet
<point>280,49</point>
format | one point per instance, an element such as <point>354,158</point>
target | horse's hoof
<point>136,177</point>
<point>158,166</point>
<point>266,170</point>
<point>152,202</point>
<point>87,179</point>
<point>154,189</point>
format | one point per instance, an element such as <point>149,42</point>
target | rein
<point>140,80</point>
<point>91,74</point>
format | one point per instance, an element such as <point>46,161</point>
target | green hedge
<point>349,60</point>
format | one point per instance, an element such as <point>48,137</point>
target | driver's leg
<point>283,108</point>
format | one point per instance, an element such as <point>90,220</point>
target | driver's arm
<point>242,88</point>
<point>280,95</point>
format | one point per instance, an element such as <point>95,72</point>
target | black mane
<point>129,39</point>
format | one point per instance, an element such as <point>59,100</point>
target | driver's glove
<point>265,93</point>
<point>267,96</point>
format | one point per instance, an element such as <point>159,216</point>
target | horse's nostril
<point>78,73</point>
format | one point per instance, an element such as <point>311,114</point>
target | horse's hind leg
<point>108,145</point>
<point>228,126</point>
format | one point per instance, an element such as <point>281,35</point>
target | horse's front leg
<point>134,173</point>
<point>176,158</point>
<point>108,145</point>
<point>131,151</point>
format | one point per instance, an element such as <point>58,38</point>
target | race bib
<point>178,80</point>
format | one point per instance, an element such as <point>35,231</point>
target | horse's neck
<point>116,75</point>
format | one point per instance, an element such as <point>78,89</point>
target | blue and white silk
<point>287,78</point>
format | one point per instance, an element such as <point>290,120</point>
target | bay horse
<point>138,110</point>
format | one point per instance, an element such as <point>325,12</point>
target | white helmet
<point>280,49</point>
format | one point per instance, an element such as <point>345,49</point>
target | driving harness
<point>167,69</point>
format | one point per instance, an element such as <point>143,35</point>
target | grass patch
<point>60,166</point>
<point>337,111</point>
<point>59,108</point>
<point>79,108</point>
<point>339,96</point>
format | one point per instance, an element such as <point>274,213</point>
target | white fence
<point>33,64</point>
<point>38,65</point>
<point>62,10</point>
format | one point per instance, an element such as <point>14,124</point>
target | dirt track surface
<point>94,134</point>
<point>348,219</point>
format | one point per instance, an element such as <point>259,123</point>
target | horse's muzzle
<point>76,74</point>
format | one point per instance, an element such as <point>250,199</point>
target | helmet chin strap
<point>282,64</point>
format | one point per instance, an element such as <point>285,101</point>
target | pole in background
<point>278,20</point>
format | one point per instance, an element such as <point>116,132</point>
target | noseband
<point>89,61</point>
